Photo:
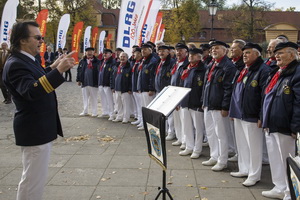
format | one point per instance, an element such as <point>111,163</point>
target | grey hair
<point>258,52</point>
<point>241,43</point>
<point>124,54</point>
<point>277,41</point>
<point>294,52</point>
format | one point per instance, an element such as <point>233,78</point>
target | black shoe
<point>7,101</point>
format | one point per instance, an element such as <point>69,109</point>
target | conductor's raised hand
<point>66,62</point>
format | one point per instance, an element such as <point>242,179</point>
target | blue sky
<point>278,3</point>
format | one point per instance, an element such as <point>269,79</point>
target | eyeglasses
<point>37,37</point>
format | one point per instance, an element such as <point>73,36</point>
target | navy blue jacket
<point>82,66</point>
<point>52,57</point>
<point>283,102</point>
<point>175,79</point>
<point>194,81</point>
<point>36,119</point>
<point>246,104</point>
<point>123,80</point>
<point>163,78</point>
<point>217,92</point>
<point>134,75</point>
<point>147,75</point>
<point>105,74</point>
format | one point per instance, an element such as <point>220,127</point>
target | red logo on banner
<point>76,40</point>
<point>42,21</point>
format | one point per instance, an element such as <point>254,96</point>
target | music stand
<point>154,120</point>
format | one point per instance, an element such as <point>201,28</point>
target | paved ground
<point>99,159</point>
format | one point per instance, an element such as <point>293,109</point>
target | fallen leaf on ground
<point>104,179</point>
<point>98,197</point>
<point>169,183</point>
<point>145,193</point>
<point>189,185</point>
<point>78,138</point>
<point>203,188</point>
<point>204,199</point>
<point>223,181</point>
<point>107,138</point>
<point>197,197</point>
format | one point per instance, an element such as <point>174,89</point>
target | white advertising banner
<point>148,27</point>
<point>87,37</point>
<point>62,30</point>
<point>132,16</point>
<point>101,41</point>
<point>9,16</point>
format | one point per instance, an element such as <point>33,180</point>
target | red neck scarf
<point>186,72</point>
<point>90,63</point>
<point>159,66</point>
<point>137,62</point>
<point>104,61</point>
<point>274,80</point>
<point>270,60</point>
<point>234,60</point>
<point>120,67</point>
<point>141,65</point>
<point>217,61</point>
<point>176,65</point>
<point>243,73</point>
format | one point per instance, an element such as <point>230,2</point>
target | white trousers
<point>137,101</point>
<point>123,101</point>
<point>35,161</point>
<point>279,147</point>
<point>217,128</point>
<point>231,139</point>
<point>249,140</point>
<point>170,125</point>
<point>178,125</point>
<point>193,127</point>
<point>107,102</point>
<point>119,105</point>
<point>90,97</point>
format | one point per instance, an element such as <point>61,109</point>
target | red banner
<point>94,36</point>
<point>42,21</point>
<point>108,41</point>
<point>77,32</point>
<point>156,26</point>
<point>161,30</point>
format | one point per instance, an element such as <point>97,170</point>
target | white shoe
<point>136,122</point>
<point>140,125</point>
<point>103,116</point>
<point>141,128</point>
<point>238,174</point>
<point>273,194</point>
<point>185,152</point>
<point>170,137</point>
<point>83,114</point>
<point>182,147</point>
<point>117,120</point>
<point>233,158</point>
<point>219,167</point>
<point>177,143</point>
<point>125,122</point>
<point>94,115</point>
<point>249,183</point>
<point>195,155</point>
<point>111,118</point>
<point>209,162</point>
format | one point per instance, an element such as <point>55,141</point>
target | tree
<point>248,19</point>
<point>111,4</point>
<point>79,10</point>
<point>169,4</point>
<point>182,22</point>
